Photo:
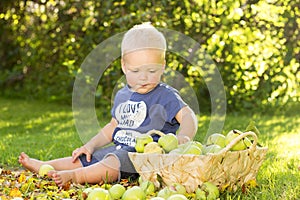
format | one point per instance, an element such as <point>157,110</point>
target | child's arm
<point>102,138</point>
<point>188,124</point>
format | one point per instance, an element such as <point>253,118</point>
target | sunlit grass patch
<point>47,131</point>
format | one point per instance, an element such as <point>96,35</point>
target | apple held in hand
<point>44,169</point>
<point>141,142</point>
<point>168,142</point>
<point>134,193</point>
<point>216,138</point>
<point>241,145</point>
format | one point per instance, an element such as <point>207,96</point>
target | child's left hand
<point>183,139</point>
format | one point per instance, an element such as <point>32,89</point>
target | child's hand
<point>82,150</point>
<point>183,139</point>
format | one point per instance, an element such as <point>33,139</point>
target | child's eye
<point>152,71</point>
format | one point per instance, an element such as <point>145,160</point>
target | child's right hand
<point>82,150</point>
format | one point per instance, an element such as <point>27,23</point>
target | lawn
<point>46,131</point>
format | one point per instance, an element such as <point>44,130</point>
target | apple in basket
<point>141,142</point>
<point>241,145</point>
<point>153,147</point>
<point>134,192</point>
<point>168,142</point>
<point>191,147</point>
<point>212,148</point>
<point>216,138</point>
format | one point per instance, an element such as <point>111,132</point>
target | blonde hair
<point>143,36</point>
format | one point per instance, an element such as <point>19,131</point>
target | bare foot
<point>30,163</point>
<point>61,177</point>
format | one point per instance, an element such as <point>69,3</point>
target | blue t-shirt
<point>138,113</point>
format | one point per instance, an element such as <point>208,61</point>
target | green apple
<point>216,138</point>
<point>141,142</point>
<point>241,145</point>
<point>177,197</point>
<point>192,149</point>
<point>153,147</point>
<point>116,191</point>
<point>211,190</point>
<point>140,180</point>
<point>175,151</point>
<point>198,144</point>
<point>44,169</point>
<point>88,190</point>
<point>177,188</point>
<point>247,142</point>
<point>148,187</point>
<point>98,194</point>
<point>231,136</point>
<point>168,142</point>
<point>213,148</point>
<point>164,193</point>
<point>200,194</point>
<point>134,193</point>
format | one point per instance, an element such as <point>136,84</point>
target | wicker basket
<point>226,169</point>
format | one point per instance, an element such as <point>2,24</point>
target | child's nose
<point>143,75</point>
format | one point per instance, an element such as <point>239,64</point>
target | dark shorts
<point>126,167</point>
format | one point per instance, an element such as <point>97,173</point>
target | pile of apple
<point>165,144</point>
<point>168,143</point>
<point>147,190</point>
<point>217,141</point>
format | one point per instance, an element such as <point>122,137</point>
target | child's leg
<point>58,164</point>
<point>105,170</point>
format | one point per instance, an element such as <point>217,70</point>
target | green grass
<point>46,131</point>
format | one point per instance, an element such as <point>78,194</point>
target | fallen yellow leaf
<point>15,193</point>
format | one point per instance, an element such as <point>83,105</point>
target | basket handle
<point>238,138</point>
<point>153,131</point>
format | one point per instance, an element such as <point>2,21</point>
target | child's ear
<point>123,66</point>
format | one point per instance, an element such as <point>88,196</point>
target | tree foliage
<point>254,43</point>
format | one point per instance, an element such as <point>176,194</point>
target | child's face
<point>143,69</point>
